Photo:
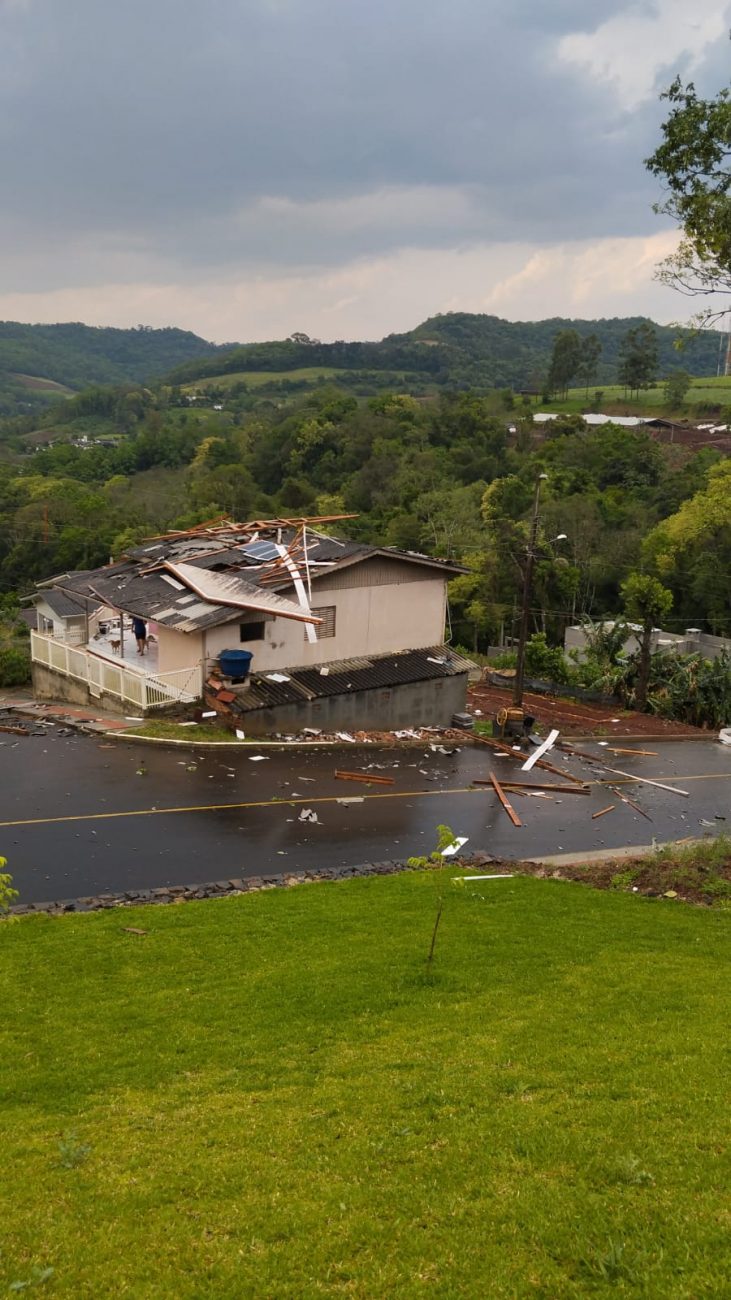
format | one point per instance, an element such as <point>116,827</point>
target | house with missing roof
<point>341,634</point>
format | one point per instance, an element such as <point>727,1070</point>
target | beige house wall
<point>177,649</point>
<point>368,621</point>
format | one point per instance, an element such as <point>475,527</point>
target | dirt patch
<point>699,873</point>
<point>575,718</point>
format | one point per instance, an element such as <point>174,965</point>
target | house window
<point>327,627</point>
<point>251,631</point>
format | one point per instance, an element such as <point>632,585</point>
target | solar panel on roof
<point>261,551</point>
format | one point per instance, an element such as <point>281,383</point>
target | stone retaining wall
<point>226,888</point>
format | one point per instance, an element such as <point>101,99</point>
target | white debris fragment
<point>258,758</point>
<point>455,846</point>
<point>278,677</point>
<point>307,815</point>
<point>548,743</point>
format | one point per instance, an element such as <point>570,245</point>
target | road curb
<point>293,746</point>
<point>610,855</point>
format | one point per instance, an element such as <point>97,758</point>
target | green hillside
<point>75,356</point>
<point>458,351</point>
<point>519,351</point>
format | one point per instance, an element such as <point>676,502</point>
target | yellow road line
<point>328,798</point>
<point>220,807</point>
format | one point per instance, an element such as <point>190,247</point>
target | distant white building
<point>691,641</point>
<point>625,421</point>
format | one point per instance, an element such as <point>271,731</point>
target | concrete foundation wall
<point>417,704</point>
<point>49,685</point>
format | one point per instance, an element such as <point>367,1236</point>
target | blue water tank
<point>235,663</point>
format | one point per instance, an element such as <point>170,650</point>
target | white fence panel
<point>181,686</point>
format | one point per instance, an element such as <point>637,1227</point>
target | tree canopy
<point>694,161</point>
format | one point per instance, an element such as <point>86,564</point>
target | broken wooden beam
<point>626,799</point>
<point>610,808</point>
<point>512,814</point>
<point>551,787</point>
<point>367,777</point>
<point>646,753</point>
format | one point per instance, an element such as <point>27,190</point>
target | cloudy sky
<point>246,168</point>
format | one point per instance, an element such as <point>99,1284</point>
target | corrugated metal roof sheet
<point>63,605</point>
<point>231,589</point>
<point>379,673</point>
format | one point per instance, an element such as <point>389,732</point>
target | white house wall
<point>368,621</point>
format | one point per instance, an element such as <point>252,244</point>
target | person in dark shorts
<point>139,627</point>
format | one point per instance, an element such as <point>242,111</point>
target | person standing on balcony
<point>139,627</point>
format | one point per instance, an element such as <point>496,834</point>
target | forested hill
<point>76,355</point>
<point>525,346</point>
<point>458,349</point>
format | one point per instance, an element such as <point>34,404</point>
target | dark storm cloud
<point>224,132</point>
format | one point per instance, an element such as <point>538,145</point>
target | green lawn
<point>160,729</point>
<point>266,1096</point>
<point>716,392</point>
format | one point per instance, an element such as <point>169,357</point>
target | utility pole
<point>527,591</point>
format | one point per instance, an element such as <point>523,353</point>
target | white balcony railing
<point>144,692</point>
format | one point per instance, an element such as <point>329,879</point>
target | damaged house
<point>276,624</point>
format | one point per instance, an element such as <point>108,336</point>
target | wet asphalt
<point>81,815</point>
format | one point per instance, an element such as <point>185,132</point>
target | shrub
<point>14,666</point>
<point>546,661</point>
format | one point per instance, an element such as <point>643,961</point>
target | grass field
<point>257,378</point>
<point>716,392</point>
<point>269,1096</point>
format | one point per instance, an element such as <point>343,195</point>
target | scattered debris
<point>345,735</point>
<point>240,735</point>
<point>307,815</point>
<point>358,798</point>
<point>258,758</point>
<point>278,677</point>
<point>602,811</point>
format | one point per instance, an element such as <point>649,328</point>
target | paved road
<point>77,819</point>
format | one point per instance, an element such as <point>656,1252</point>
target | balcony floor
<point>146,665</point>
